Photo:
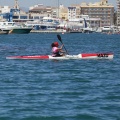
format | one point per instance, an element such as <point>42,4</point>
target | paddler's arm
<point>61,47</point>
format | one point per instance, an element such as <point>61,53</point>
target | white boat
<point>47,23</point>
<point>3,32</point>
<point>107,29</point>
<point>110,29</point>
<point>86,28</point>
<point>12,27</point>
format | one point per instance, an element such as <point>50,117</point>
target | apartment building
<point>39,11</point>
<point>101,10</point>
<point>118,12</point>
<point>71,12</point>
<point>78,10</point>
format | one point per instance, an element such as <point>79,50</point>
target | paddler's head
<point>56,44</point>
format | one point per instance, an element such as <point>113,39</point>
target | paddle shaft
<point>59,38</point>
<point>65,48</point>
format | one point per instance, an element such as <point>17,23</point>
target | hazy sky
<point>28,3</point>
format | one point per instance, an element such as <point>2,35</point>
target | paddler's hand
<point>61,46</point>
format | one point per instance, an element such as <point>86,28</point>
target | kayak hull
<point>79,56</point>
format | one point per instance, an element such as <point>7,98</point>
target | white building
<point>102,10</point>
<point>39,11</point>
<point>118,12</point>
<point>5,9</point>
<point>71,13</point>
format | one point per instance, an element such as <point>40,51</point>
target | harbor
<point>83,84</point>
<point>60,19</point>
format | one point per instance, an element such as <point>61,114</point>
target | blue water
<point>59,90</point>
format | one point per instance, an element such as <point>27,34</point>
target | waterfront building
<point>63,12</point>
<point>118,12</point>
<point>100,13</point>
<point>71,13</point>
<point>36,12</point>
<point>4,10</point>
<point>101,10</point>
<point>39,11</point>
<point>91,21</point>
<point>21,17</point>
<point>54,12</point>
<point>13,14</point>
<point>78,10</point>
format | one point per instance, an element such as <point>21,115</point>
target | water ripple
<point>59,90</point>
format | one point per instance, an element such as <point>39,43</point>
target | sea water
<point>59,90</point>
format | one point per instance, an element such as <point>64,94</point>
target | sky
<point>28,3</point>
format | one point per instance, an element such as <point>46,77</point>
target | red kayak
<point>79,56</point>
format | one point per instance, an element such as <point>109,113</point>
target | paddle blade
<point>59,38</point>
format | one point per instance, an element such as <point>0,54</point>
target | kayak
<point>79,56</point>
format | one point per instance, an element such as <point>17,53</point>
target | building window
<point>23,17</point>
<point>36,17</point>
<point>15,17</point>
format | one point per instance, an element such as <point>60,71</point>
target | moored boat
<point>3,32</point>
<point>12,27</point>
<point>20,30</point>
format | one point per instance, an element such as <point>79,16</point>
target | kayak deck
<point>79,56</point>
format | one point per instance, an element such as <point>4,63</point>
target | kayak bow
<point>79,56</point>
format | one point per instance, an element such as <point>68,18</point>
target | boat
<point>110,29</point>
<point>20,30</point>
<point>75,31</point>
<point>3,32</point>
<point>107,29</point>
<point>12,27</point>
<point>47,23</point>
<point>79,56</point>
<point>86,28</point>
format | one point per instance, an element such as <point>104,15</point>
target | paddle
<point>59,38</point>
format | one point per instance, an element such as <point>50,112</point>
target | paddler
<point>56,51</point>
